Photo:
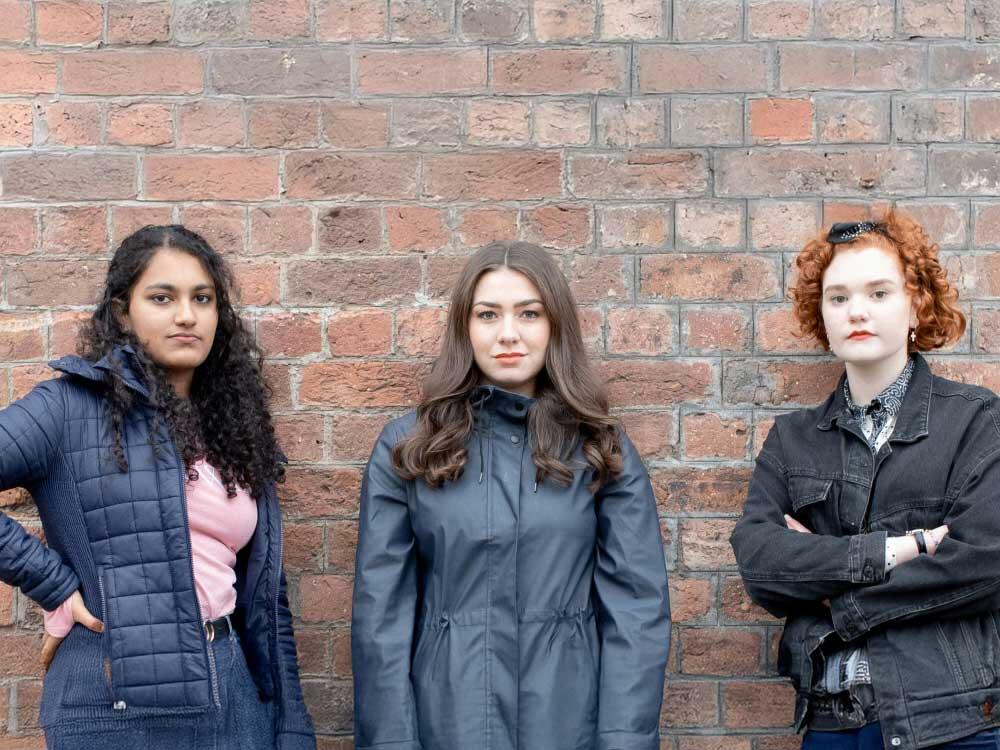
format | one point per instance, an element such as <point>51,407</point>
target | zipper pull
<point>120,705</point>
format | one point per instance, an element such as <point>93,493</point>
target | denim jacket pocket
<point>806,491</point>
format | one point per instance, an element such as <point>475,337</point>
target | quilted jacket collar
<point>98,371</point>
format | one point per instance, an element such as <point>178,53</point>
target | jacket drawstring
<point>477,406</point>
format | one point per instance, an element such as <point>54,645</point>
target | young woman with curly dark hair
<point>872,523</point>
<point>510,587</point>
<point>153,462</point>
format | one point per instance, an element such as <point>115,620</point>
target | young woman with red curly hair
<point>872,522</point>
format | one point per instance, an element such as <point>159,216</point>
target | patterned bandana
<point>880,415</point>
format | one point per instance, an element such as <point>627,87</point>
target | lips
<point>508,356</point>
<point>187,337</point>
<point>860,335</point>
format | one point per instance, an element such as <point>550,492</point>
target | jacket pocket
<point>806,491</point>
<point>958,653</point>
<point>86,666</point>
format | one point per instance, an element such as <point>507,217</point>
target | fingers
<point>82,615</point>
<point>795,525</point>
<point>934,538</point>
<point>49,646</point>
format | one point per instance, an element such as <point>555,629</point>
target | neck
<point>868,379</point>
<point>181,383</point>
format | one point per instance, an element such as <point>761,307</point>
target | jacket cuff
<point>294,741</point>
<point>867,553</point>
<point>628,740</point>
<point>54,599</point>
<point>847,618</point>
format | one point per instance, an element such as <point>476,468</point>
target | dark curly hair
<point>571,406</point>
<point>226,421</point>
<point>939,321</point>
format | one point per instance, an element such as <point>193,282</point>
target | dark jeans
<point>242,723</point>
<point>870,738</point>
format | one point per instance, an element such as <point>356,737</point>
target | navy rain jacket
<point>495,614</point>
<point>122,538</point>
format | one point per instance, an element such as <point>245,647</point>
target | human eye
<point>160,299</point>
<point>203,299</point>
<point>486,315</point>
<point>880,293</point>
<point>838,299</point>
<point>531,314</point>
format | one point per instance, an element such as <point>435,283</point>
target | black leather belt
<point>217,628</point>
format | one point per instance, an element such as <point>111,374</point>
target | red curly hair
<point>939,321</point>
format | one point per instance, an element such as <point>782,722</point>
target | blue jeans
<point>870,738</point>
<point>242,722</point>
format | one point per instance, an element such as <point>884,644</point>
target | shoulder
<point>973,406</point>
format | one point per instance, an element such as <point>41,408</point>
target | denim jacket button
<point>896,741</point>
<point>868,572</point>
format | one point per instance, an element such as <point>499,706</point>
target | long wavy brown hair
<point>571,405</point>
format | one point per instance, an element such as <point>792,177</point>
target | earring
<point>913,336</point>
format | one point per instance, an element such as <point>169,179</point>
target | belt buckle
<point>209,630</point>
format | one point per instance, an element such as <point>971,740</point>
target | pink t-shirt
<point>220,527</point>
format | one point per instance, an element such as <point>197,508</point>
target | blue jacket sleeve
<point>384,609</point>
<point>294,727</point>
<point>30,434</point>
<point>633,609</point>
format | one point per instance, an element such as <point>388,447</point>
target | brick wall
<point>347,154</point>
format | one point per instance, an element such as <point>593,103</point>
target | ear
<point>914,311</point>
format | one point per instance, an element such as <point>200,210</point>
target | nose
<point>857,310</point>
<point>184,314</point>
<point>508,330</point>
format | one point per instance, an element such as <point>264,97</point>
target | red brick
<point>793,172</point>
<point>6,618</point>
<point>712,436</point>
<point>350,230</point>
<point>303,548</point>
<point>855,19</point>
<point>256,283</point>
<point>291,334</point>
<point>68,21</point>
<point>16,27</point>
<point>563,226</point>
<point>632,383</point>
<point>481,226</point>
<point>421,20</point>
<point>748,706</point>
<point>634,226</point>
<point>932,18</point>
<point>138,23</point>
<point>461,71</point>
<point>707,20</point>
<point>300,436</point>
<point>16,123</point>
<point>222,177</point>
<point>784,225</point>
<point>704,543</point>
<point>491,21</point>
<point>350,20</point>
<point>564,20</point>
<point>781,742</point>
<point>855,68</point>
<point>302,71</point>
<point>27,72</point>
<point>762,426</point>
<point>648,331</point>
<point>22,743</point>
<point>332,705</point>
<point>22,336</point>
<point>71,177</point>
<point>777,332</point>
<point>18,231</point>
<point>652,433</point>
<point>141,125</point>
<point>678,69</point>
<point>223,226</point>
<point>65,332</point>
<point>23,379</point>
<point>689,490</point>
<point>497,122</point>
<point>633,19</point>
<point>706,330</point>
<point>195,22</point>
<point>508,175</point>
<point>714,742</point>
<point>709,225</point>
<point>706,121</point>
<point>355,434</point>
<point>737,607</point>
<point>630,122</point>
<point>416,229</point>
<point>360,384</point>
<point>326,598</point>
<point>964,171</point>
<point>72,123</point>
<point>210,123</point>
<point>709,276</point>
<point>984,118</point>
<point>357,333</point>
<point>560,71</point>
<point>690,703</point>
<point>986,331</point>
<point>922,119</point>
<point>599,278</point>
<point>690,599</point>
<point>347,125</point>
<point>341,658</point>
<point>720,651</point>
<point>343,539</point>
<point>75,229</point>
<point>834,211</point>
<point>280,230</point>
<point>279,379</point>
<point>127,219</point>
<point>779,19</point>
<point>562,123</point>
<point>986,219</point>
<point>284,124</point>
<point>637,174</point>
<point>442,273</point>
<point>766,382</point>
<point>275,20</point>
<point>119,73</point>
<point>320,493</point>
<point>331,174</point>
<point>21,655</point>
<point>858,118</point>
<point>781,120</point>
<point>312,648</point>
<point>972,372</point>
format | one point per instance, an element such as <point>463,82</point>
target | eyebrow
<point>522,303</point>
<point>172,288</point>
<point>869,285</point>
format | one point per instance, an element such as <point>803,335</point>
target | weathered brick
<point>75,229</point>
<point>195,21</point>
<point>80,176</point>
<point>275,20</point>
<point>54,283</point>
<point>715,742</point>
<point>343,540</point>
<point>18,230</point>
<point>564,226</point>
<point>121,73</point>
<point>678,69</point>
<point>781,120</point>
<point>359,333</point>
<point>459,71</point>
<point>360,384</point>
<point>127,219</point>
<point>284,230</point>
<point>885,67</point>
<point>779,19</point>
<point>709,225</point>
<point>690,703</point>
<point>22,336</point>
<point>21,655</point>
<point>209,122</point>
<point>709,276</point>
<point>986,220</point>
<point>355,125</point>
<point>331,174</point>
<point>417,122</point>
<point>634,226</point>
<point>788,172</point>
<point>782,225</point>
<point>27,72</point>
<point>494,20</point>
<point>141,125</point>
<point>564,20</point>
<point>769,382</point>
<point>284,124</point>
<point>858,118</point>
<point>69,22</point>
<point>138,23</point>
<point>291,334</point>
<point>707,20</point>
<point>638,174</point>
<point>416,229</point>
<point>17,21</point>
<point>508,175</point>
<point>920,119</point>
<point>634,383</point>
<point>954,66</point>
<point>303,549</point>
<point>983,118</point>
<point>747,706</point>
<point>720,651</point>
<point>326,598</point>
<point>353,282</point>
<point>421,20</point>
<point>685,489</point>
<point>777,332</point>
<point>984,20</point>
<point>355,434</point>
<point>320,493</point>
<point>481,226</point>
<point>964,170</point>
<point>652,432</point>
<point>633,19</point>
<point>641,330</point>
<point>855,19</point>
<point>630,122</point>
<point>333,705</point>
<point>599,279</point>
<point>498,122</point>
<point>705,330</point>
<point>706,120</point>
<point>562,123</point>
<point>944,221</point>
<point>70,123</point>
<point>352,230</point>
<point>704,543</point>
<point>16,124</point>
<point>223,226</point>
<point>932,18</point>
<point>300,436</point>
<point>350,20</point>
<point>737,606</point>
<point>714,436</point>
<point>257,283</point>
<point>419,332</point>
<point>300,71</point>
<point>222,177</point>
<point>560,71</point>
<point>986,330</point>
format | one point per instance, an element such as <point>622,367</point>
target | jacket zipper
<point>116,704</point>
<point>277,595</point>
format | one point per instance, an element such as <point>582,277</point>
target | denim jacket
<point>931,625</point>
